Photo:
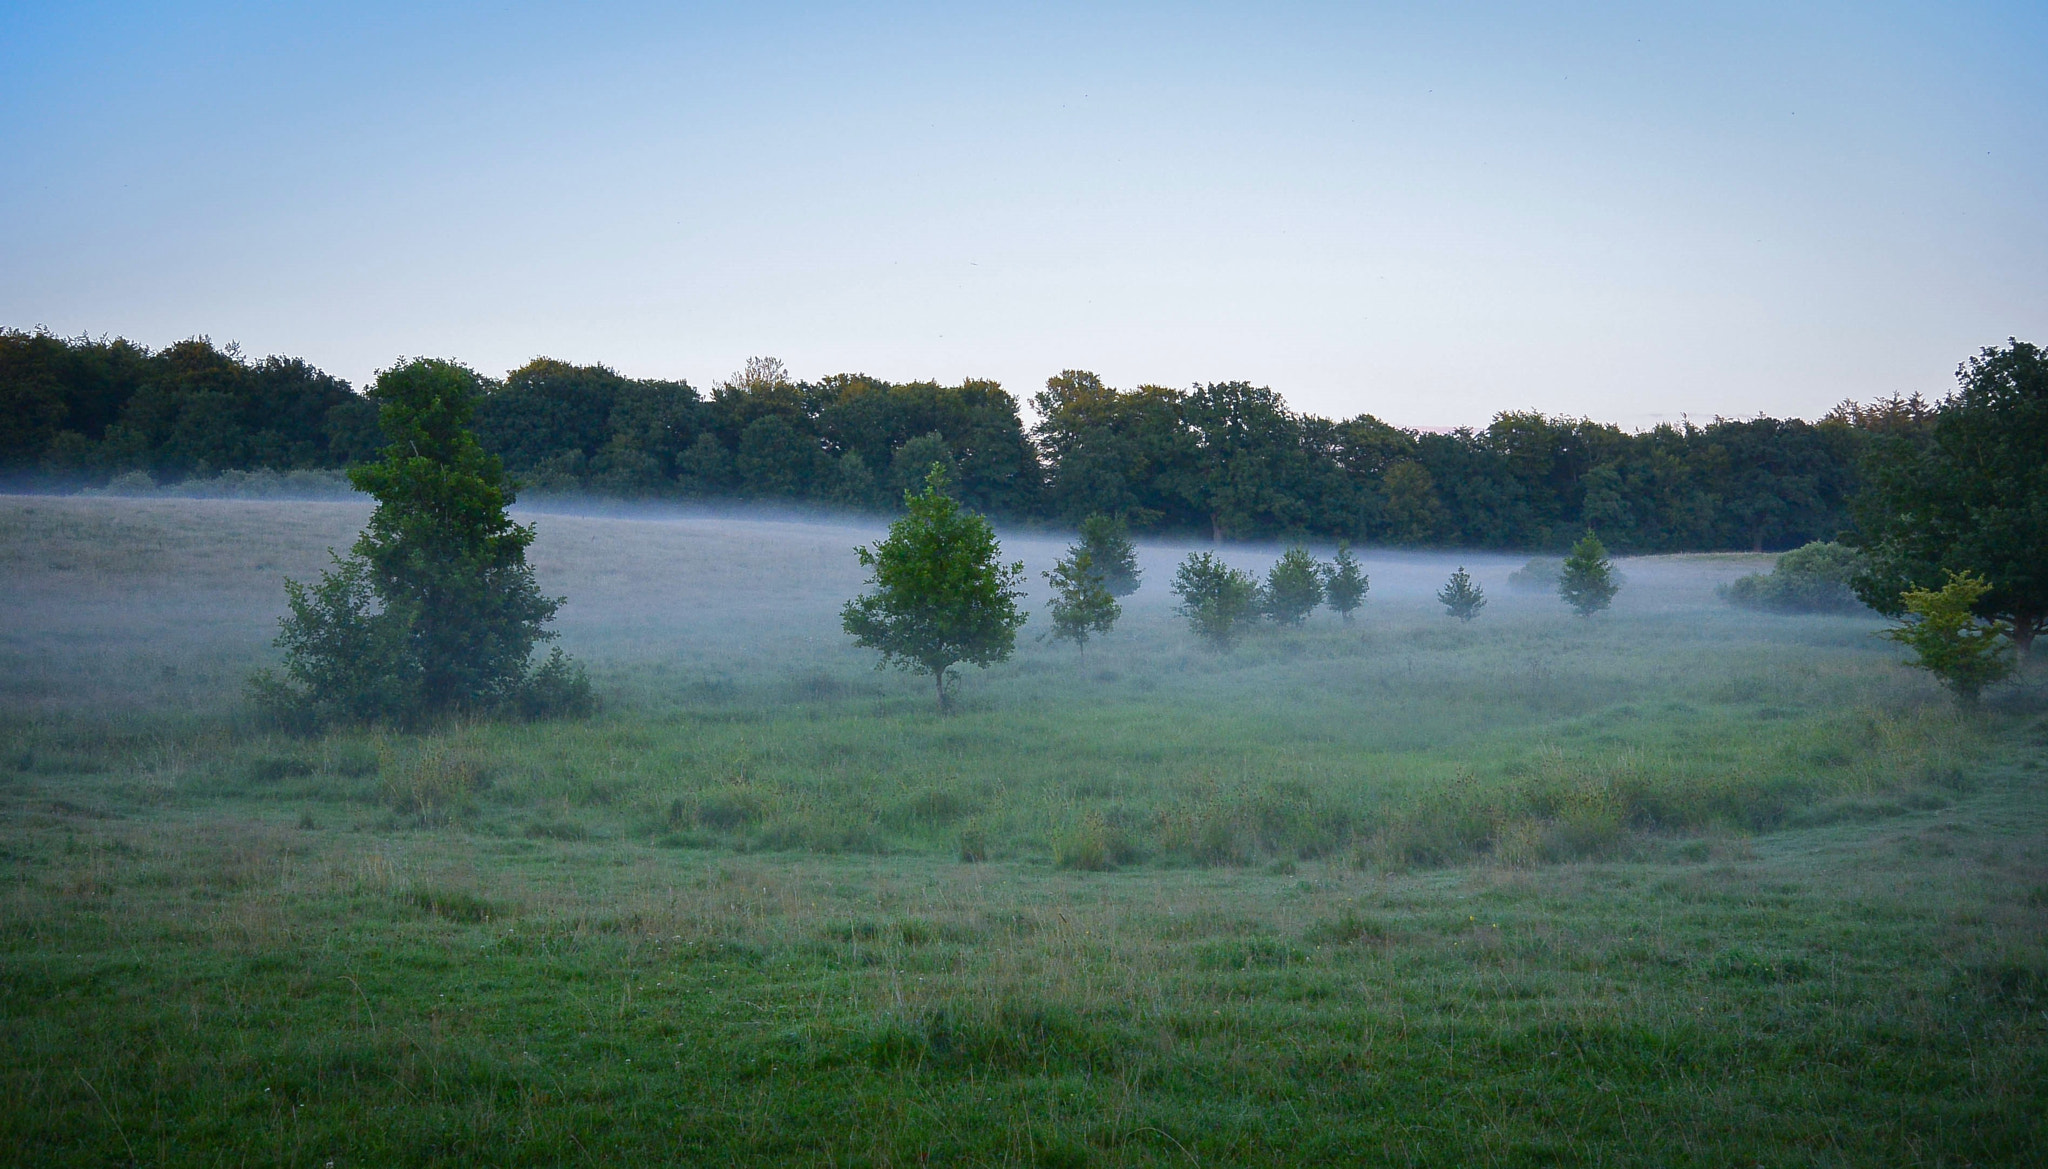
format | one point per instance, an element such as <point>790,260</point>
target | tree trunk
<point>940,674</point>
<point>2024,627</point>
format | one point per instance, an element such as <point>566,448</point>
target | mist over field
<point>141,602</point>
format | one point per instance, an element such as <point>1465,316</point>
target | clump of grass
<point>437,785</point>
<point>1349,928</point>
<point>1285,821</point>
<point>454,904</point>
<point>1094,845</point>
<point>272,768</point>
<point>974,845</point>
<point>555,828</point>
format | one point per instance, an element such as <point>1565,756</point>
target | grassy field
<point>1677,885</point>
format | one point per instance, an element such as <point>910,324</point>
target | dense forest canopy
<point>1227,459</point>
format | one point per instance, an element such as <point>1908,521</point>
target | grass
<point>1680,885</point>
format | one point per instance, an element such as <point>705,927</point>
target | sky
<point>1427,212</point>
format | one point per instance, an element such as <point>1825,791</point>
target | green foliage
<point>1108,543</point>
<point>1081,603</point>
<point>1460,597</point>
<point>1344,584</point>
<point>435,609</point>
<point>345,653</point>
<point>1294,587</point>
<point>1586,582</point>
<point>1540,575</point>
<point>940,595</point>
<point>1217,600</point>
<point>1814,578</point>
<point>1969,495</point>
<point>1966,652</point>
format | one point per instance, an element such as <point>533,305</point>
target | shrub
<point>1811,579</point>
<point>1948,640</point>
<point>1460,597</point>
<point>1586,582</point>
<point>1216,599</point>
<point>1344,586</point>
<point>1294,587</point>
<point>1538,576</point>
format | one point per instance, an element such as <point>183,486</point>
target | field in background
<point>1681,883</point>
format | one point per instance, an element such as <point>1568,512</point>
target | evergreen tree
<point>940,596</point>
<point>435,609</point>
<point>1460,597</point>
<point>1294,587</point>
<point>1108,544</point>
<point>1217,600</point>
<point>1966,652</point>
<point>1344,585</point>
<point>1081,603</point>
<point>1587,581</point>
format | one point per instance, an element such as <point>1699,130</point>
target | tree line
<point>1229,460</point>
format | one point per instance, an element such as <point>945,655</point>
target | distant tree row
<point>1225,459</point>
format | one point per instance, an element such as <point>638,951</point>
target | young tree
<point>1460,597</point>
<point>1108,543</point>
<point>940,595</point>
<point>1586,582</point>
<point>1216,599</point>
<point>435,609</point>
<point>1967,496</point>
<point>1294,587</point>
<point>1081,603</point>
<point>1966,652</point>
<point>1344,586</point>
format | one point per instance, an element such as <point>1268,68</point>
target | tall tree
<point>435,609</point>
<point>940,595</point>
<point>1969,497</point>
<point>440,546</point>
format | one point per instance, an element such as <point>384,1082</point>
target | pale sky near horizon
<point>1430,213</point>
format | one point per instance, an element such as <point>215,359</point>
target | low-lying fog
<point>147,602</point>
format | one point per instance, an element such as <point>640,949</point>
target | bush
<point>1294,587</point>
<point>1217,600</point>
<point>1538,576</point>
<point>1812,579</point>
<point>1948,640</point>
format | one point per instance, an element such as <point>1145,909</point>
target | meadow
<point>1680,884</point>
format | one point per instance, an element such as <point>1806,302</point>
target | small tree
<point>940,595</point>
<point>1966,652</point>
<point>1586,582</point>
<point>1344,586</point>
<point>1461,598</point>
<point>1216,599</point>
<point>435,609</point>
<point>1081,604</point>
<point>1294,587</point>
<point>1108,544</point>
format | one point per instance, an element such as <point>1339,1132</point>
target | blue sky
<point>1426,212</point>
